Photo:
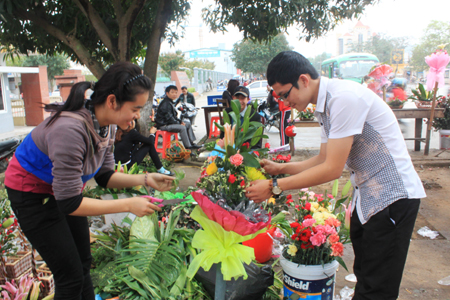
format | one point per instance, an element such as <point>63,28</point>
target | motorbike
<point>271,115</point>
<point>7,149</point>
<point>188,112</point>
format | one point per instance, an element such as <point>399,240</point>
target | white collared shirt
<point>381,168</point>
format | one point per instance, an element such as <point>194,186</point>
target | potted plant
<point>396,103</point>
<point>421,97</point>
<point>315,243</point>
<point>307,114</point>
<point>443,124</point>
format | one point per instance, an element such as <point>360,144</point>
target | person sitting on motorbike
<point>167,120</point>
<point>185,97</point>
<point>131,147</point>
<point>242,94</point>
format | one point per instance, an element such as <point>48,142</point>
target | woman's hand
<point>142,206</point>
<point>259,191</point>
<point>153,130</point>
<point>160,182</point>
<point>270,167</point>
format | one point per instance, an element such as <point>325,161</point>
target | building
<point>218,55</point>
<point>353,40</point>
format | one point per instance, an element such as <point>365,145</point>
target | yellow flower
<point>319,217</point>
<point>292,250</point>
<point>254,174</point>
<point>211,169</point>
<point>272,200</point>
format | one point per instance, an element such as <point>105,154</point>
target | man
<point>185,97</point>
<point>242,94</point>
<point>167,120</point>
<point>359,131</point>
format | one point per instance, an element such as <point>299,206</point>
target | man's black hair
<point>184,87</point>
<point>287,67</point>
<point>171,87</point>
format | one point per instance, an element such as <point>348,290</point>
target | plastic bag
<point>259,279</point>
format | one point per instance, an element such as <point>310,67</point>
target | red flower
<point>305,235</point>
<point>294,225</point>
<point>307,217</point>
<point>246,144</point>
<point>242,183</point>
<point>297,207</point>
<point>289,201</point>
<point>256,153</point>
<point>267,145</point>
<point>307,206</point>
<point>289,197</point>
<point>231,178</point>
<point>306,245</point>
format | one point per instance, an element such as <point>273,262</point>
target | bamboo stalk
<point>430,120</point>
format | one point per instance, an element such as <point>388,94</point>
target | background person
<point>359,131</point>
<point>285,114</point>
<point>132,147</point>
<point>185,97</point>
<point>167,119</point>
<point>48,171</point>
<point>229,92</point>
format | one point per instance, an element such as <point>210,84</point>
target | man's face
<point>242,101</point>
<point>172,94</point>
<point>184,91</point>
<point>298,98</point>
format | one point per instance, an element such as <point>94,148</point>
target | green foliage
<point>382,46</point>
<point>436,33</point>
<point>56,64</point>
<point>8,226</point>
<point>443,123</point>
<point>191,90</point>
<point>262,20</point>
<point>171,62</point>
<point>420,94</point>
<point>250,56</point>
<point>197,63</point>
<point>318,59</point>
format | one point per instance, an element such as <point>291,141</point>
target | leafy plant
<point>420,94</point>
<point>395,103</point>
<point>443,123</point>
<point>8,225</point>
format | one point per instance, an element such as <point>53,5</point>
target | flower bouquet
<point>226,215</point>
<point>396,103</point>
<point>307,114</point>
<point>380,73</point>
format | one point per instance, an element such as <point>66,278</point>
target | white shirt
<point>381,168</point>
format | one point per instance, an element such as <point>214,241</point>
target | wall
<point>35,93</point>
<point>6,118</point>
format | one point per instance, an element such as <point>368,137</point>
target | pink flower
<point>334,238</point>
<point>304,190</point>
<point>308,222</point>
<point>318,239</point>
<point>326,229</point>
<point>338,249</point>
<point>236,159</point>
<point>332,222</point>
<point>348,215</point>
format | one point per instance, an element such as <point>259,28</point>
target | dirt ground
<point>428,260</point>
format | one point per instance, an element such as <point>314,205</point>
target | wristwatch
<point>276,190</point>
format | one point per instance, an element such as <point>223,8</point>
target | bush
<point>191,89</point>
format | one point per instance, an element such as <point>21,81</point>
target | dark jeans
<point>61,240</point>
<point>138,154</point>
<point>380,247</point>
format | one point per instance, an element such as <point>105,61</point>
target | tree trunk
<point>151,58</point>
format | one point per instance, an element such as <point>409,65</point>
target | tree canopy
<point>318,59</point>
<point>436,33</point>
<point>382,46</point>
<point>97,33</point>
<point>55,64</point>
<point>171,62</point>
<point>254,57</point>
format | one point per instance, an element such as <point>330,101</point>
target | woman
<point>229,92</point>
<point>47,174</point>
<point>131,147</point>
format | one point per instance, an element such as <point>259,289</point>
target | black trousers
<point>380,247</point>
<point>61,240</point>
<point>138,154</point>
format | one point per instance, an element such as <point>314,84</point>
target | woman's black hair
<point>123,79</point>
<point>232,85</point>
<point>287,67</point>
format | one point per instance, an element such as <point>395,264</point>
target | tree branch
<point>80,50</point>
<point>99,26</point>
<point>126,23</point>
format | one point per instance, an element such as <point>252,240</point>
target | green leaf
<point>230,151</point>
<point>334,190</point>
<point>346,188</point>
<point>257,137</point>
<point>236,107</point>
<point>250,160</point>
<point>226,117</point>
<point>341,262</point>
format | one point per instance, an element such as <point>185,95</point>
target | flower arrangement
<point>396,103</point>
<point>8,226</point>
<point>443,123</point>
<point>320,228</point>
<point>307,113</point>
<point>233,164</point>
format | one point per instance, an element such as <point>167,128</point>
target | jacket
<point>189,99</point>
<point>166,113</point>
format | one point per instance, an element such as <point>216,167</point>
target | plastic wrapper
<point>254,287</point>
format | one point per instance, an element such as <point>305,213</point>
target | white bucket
<point>308,282</point>
<point>444,139</point>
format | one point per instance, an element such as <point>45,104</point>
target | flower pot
<point>307,119</point>
<point>444,139</point>
<point>396,107</point>
<point>308,282</point>
<point>422,104</point>
<point>263,244</point>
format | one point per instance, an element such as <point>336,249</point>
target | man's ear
<point>111,102</point>
<point>304,80</point>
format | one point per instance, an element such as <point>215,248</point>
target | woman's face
<point>130,111</point>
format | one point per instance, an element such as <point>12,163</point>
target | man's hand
<point>153,130</point>
<point>182,123</point>
<point>160,182</point>
<point>142,206</point>
<point>259,190</point>
<point>270,167</point>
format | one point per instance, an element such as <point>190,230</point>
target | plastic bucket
<point>444,141</point>
<point>263,245</point>
<point>308,282</point>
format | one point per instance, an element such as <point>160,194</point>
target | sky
<point>393,18</point>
